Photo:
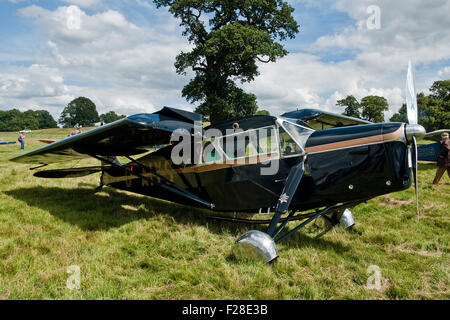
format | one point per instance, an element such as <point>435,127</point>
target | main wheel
<point>256,246</point>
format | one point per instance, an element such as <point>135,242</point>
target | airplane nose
<point>414,130</point>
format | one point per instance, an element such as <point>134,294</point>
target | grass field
<point>133,247</point>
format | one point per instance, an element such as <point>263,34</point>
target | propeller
<point>413,129</point>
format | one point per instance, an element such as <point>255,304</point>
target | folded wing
<point>129,136</point>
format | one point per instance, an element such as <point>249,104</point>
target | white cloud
<point>83,3</point>
<point>35,81</point>
<point>34,87</point>
<point>129,68</point>
<point>117,64</point>
<point>409,29</point>
<point>444,73</point>
<point>302,80</point>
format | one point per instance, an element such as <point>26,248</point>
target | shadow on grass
<point>108,208</point>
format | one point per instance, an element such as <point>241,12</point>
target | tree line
<point>79,112</point>
<point>433,109</point>
<point>15,120</point>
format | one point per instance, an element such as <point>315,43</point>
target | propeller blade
<point>414,168</point>
<point>411,98</point>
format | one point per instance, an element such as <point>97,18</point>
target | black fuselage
<point>343,165</point>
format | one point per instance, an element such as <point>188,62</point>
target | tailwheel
<point>343,219</point>
<point>256,246</point>
<point>346,220</point>
<point>326,222</point>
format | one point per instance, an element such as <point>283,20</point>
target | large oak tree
<point>229,37</point>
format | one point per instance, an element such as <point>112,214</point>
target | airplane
<point>327,170</point>
<point>302,165</point>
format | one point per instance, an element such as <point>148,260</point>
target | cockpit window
<point>288,146</point>
<point>299,134</point>
<point>267,140</point>
<point>250,143</point>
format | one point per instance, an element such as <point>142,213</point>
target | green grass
<point>133,247</point>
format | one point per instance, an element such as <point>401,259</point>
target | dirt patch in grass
<point>391,202</point>
<point>421,252</point>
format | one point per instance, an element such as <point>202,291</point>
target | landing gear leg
<point>261,246</point>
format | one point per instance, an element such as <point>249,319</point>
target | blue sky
<point>122,57</point>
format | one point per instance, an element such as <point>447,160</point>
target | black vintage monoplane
<point>304,164</point>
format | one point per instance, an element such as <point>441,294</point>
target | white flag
<point>411,98</point>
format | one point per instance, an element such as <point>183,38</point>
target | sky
<point>121,54</point>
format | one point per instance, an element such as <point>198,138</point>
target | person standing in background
<point>443,161</point>
<point>22,140</point>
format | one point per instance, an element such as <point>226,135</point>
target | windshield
<point>293,139</point>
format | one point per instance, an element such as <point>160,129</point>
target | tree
<point>373,108</point>
<point>262,113</point>
<point>226,48</point>
<point>81,111</point>
<point>29,120</point>
<point>110,116</point>
<point>11,120</point>
<point>352,106</point>
<point>441,90</point>
<point>401,115</point>
<point>45,119</point>
<point>14,120</point>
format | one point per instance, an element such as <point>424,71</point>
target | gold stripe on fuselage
<point>356,142</point>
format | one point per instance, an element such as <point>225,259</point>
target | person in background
<point>22,140</point>
<point>443,161</point>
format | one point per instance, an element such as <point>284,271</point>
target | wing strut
<point>168,185</point>
<point>292,183</point>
